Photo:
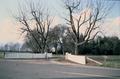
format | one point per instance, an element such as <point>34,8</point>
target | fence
<point>28,55</point>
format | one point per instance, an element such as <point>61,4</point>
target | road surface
<point>45,69</point>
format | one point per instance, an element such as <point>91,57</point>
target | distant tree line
<point>102,46</point>
<point>10,47</point>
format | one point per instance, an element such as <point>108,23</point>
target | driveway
<point>46,69</point>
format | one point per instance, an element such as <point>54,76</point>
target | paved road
<point>42,69</point>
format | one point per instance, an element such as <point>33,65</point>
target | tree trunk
<point>76,49</point>
<point>62,46</point>
<point>56,50</point>
<point>42,50</point>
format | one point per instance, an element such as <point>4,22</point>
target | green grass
<point>111,64</point>
<point>97,58</point>
<point>1,55</point>
<point>110,61</point>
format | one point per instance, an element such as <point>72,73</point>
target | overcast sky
<point>9,30</point>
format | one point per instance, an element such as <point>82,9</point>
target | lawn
<point>112,61</point>
<point>1,55</point>
<point>108,61</point>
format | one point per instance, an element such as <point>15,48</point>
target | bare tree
<point>90,15</point>
<point>34,15</point>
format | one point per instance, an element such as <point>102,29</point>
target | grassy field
<point>1,55</point>
<point>108,61</point>
<point>112,61</point>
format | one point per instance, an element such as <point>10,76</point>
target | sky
<point>10,30</point>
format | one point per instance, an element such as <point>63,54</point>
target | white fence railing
<point>28,55</point>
